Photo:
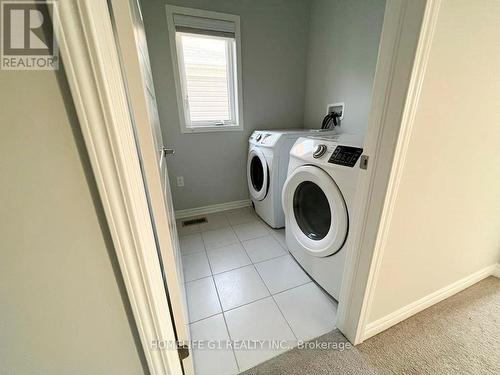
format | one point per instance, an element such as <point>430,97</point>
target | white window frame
<point>180,81</point>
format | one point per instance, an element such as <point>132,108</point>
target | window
<point>206,58</point>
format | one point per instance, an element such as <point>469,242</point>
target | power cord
<point>331,119</point>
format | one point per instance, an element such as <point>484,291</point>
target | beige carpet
<point>460,335</point>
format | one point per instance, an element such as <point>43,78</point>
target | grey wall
<point>343,46</point>
<point>62,304</point>
<point>297,56</point>
<point>274,40</point>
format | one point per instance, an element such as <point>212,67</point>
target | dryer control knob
<point>259,137</point>
<point>320,151</point>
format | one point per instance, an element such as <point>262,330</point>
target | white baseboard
<point>181,214</point>
<point>496,271</point>
<point>405,312</point>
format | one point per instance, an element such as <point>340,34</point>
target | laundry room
<point>252,187</point>
<point>263,107</point>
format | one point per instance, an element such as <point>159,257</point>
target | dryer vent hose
<point>331,120</point>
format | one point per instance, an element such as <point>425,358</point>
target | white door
<point>132,45</point>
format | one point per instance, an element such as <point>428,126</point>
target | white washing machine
<point>267,166</point>
<point>317,199</point>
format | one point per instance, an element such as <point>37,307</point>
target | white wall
<point>343,45</point>
<point>274,41</point>
<point>446,222</point>
<point>62,304</point>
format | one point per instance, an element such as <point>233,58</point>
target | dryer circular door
<point>257,174</point>
<point>316,211</point>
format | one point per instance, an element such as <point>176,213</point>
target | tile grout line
<point>220,303</point>
<point>240,242</point>
<point>245,250</point>
<point>269,232</point>
<point>248,303</point>
<point>257,300</point>
<point>272,296</point>
<point>237,268</point>
<point>274,300</point>
<point>205,277</point>
<point>213,281</point>
<point>224,312</point>
<point>276,303</point>
<point>204,318</point>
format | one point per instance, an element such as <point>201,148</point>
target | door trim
<point>93,70</point>
<point>378,186</point>
<point>412,100</point>
<point>133,54</point>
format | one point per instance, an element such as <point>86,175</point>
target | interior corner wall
<point>63,307</point>
<point>445,225</point>
<point>273,47</point>
<point>343,47</point>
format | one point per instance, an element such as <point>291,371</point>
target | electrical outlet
<point>180,181</point>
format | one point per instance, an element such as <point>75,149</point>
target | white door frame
<point>131,44</point>
<point>92,66</point>
<point>403,54</point>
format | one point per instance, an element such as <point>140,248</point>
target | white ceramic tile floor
<point>239,287</point>
<point>218,238</point>
<point>279,234</point>
<point>191,243</point>
<point>202,299</point>
<point>182,231</point>
<point>263,248</point>
<point>195,266</point>
<point>241,216</point>
<point>228,258</point>
<point>215,221</point>
<point>273,273</point>
<point>237,264</point>
<point>248,231</point>
<point>212,361</point>
<point>261,320</point>
<point>308,310</point>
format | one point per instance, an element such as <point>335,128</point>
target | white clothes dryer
<point>317,199</point>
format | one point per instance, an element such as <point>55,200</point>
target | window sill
<point>210,129</point>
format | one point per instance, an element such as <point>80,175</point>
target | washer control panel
<point>345,155</point>
<point>319,151</point>
<point>264,138</point>
<point>267,139</point>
